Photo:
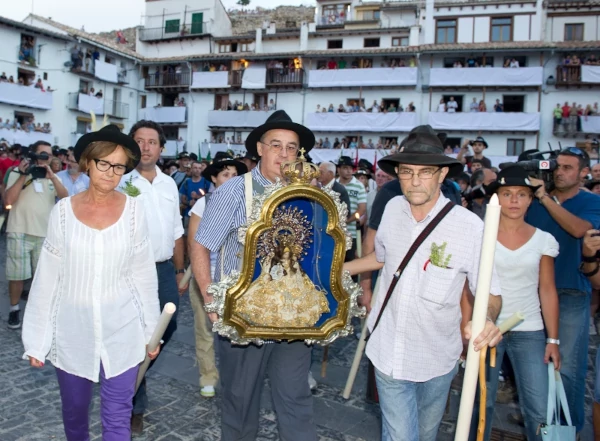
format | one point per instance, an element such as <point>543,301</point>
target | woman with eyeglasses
<point>93,304</point>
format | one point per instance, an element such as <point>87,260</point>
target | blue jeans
<point>526,351</point>
<point>412,411</point>
<point>167,292</point>
<point>573,332</point>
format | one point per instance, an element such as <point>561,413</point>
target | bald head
<point>327,170</point>
<point>596,172</point>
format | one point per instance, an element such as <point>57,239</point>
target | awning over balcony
<point>590,74</point>
<point>25,96</point>
<point>106,71</point>
<point>378,76</point>
<point>362,122</point>
<point>237,118</point>
<point>590,124</point>
<point>255,77</point>
<point>210,80</point>
<point>88,104</point>
<point>25,138</point>
<point>164,114</point>
<point>485,121</point>
<point>487,76</point>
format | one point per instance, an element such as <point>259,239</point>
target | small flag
<point>208,157</point>
<point>199,152</point>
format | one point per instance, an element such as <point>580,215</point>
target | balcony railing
<point>375,76</point>
<point>485,121</point>
<point>285,77</point>
<point>576,126</point>
<point>168,80</point>
<point>85,103</point>
<point>332,19</point>
<point>577,75</point>
<point>26,96</point>
<point>117,109</point>
<point>235,78</point>
<point>165,115</point>
<point>183,31</point>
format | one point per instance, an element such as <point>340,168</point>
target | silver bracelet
<point>553,341</point>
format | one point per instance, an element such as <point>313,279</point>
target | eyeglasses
<point>405,174</point>
<point>278,147</point>
<point>103,166</point>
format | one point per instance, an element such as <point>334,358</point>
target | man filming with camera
<point>568,213</point>
<point>31,190</point>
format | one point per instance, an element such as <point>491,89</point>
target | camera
<point>534,162</point>
<point>36,171</point>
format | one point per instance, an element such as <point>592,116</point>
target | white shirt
<point>161,201</point>
<point>441,107</point>
<point>94,297</point>
<point>452,106</point>
<point>198,209</point>
<point>519,272</point>
<point>418,337</point>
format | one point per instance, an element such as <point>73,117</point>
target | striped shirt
<point>358,195</point>
<point>226,212</point>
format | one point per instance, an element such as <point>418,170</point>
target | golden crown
<point>300,171</point>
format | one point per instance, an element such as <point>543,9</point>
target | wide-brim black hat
<point>223,159</point>
<point>362,172</point>
<point>513,176</point>
<point>280,120</point>
<point>481,140</point>
<point>251,157</point>
<point>366,164</point>
<point>110,133</point>
<point>345,160</point>
<point>421,147</point>
<point>591,184</point>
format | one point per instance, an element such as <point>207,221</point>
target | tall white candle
<point>358,236</point>
<point>484,282</point>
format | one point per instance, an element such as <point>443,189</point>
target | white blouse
<point>94,297</point>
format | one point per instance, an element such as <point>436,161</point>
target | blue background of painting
<point>322,243</point>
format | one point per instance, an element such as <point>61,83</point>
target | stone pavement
<point>30,401</point>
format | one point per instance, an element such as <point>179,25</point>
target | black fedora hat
<point>223,159</point>
<point>362,172</point>
<point>183,155</point>
<point>252,157</point>
<point>345,160</point>
<point>513,176</point>
<point>365,163</point>
<point>110,133</point>
<point>280,120</point>
<point>421,147</point>
<point>481,140</point>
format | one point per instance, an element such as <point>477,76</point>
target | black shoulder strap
<point>410,253</point>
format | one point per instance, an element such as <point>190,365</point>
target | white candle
<point>159,331</point>
<point>484,282</point>
<point>358,237</point>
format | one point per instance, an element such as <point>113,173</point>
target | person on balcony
<point>452,106</point>
<point>99,94</point>
<point>474,107</point>
<point>498,107</point>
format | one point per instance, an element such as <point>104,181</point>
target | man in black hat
<point>184,171</point>
<point>251,160</point>
<point>478,145</point>
<point>415,343</point>
<point>242,368</point>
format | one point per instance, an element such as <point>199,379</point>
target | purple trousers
<point>116,395</point>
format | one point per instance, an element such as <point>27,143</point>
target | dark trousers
<point>242,370</point>
<point>167,292</point>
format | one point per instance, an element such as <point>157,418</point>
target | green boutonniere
<point>130,189</point>
<point>438,257</point>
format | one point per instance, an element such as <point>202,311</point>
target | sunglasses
<point>574,151</point>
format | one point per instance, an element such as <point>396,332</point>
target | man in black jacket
<point>327,180</point>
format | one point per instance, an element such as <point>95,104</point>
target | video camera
<point>540,165</point>
<point>34,170</point>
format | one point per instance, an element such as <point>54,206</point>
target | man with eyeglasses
<point>32,199</point>
<point>74,181</point>
<point>567,212</point>
<point>242,368</point>
<point>160,199</point>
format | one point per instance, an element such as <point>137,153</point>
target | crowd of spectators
<point>81,56</point>
<point>567,118</point>
<point>574,60</point>
<point>451,106</point>
<point>212,67</point>
<point>239,105</point>
<point>359,106</point>
<point>365,63</point>
<point>26,50</point>
<point>28,126</point>
<point>25,81</point>
<point>357,142</point>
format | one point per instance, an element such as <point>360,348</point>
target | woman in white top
<point>525,263</point>
<point>442,106</point>
<point>93,304</point>
<point>222,169</point>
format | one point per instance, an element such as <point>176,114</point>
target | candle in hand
<point>358,236</point>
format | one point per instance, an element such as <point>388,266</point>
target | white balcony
<point>26,96</point>
<point>590,74</point>
<point>106,71</point>
<point>165,115</point>
<point>86,103</point>
<point>362,122</point>
<point>237,118</point>
<point>210,80</point>
<point>487,76</point>
<point>485,121</point>
<point>376,76</point>
<point>25,138</point>
<point>590,124</point>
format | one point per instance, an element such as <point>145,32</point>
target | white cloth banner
<point>106,71</point>
<point>488,121</point>
<point>25,96</point>
<point>590,124</point>
<point>487,76</point>
<point>164,114</point>
<point>237,118</point>
<point>88,104</point>
<point>254,77</point>
<point>377,76</point>
<point>25,138</point>
<point>172,148</point>
<point>210,80</point>
<point>362,122</point>
<point>590,74</point>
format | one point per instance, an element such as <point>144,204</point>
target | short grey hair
<point>330,166</point>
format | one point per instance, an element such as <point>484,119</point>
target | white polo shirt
<point>161,203</point>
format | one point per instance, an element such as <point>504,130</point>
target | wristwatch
<point>591,273</point>
<point>179,271</point>
<point>553,341</point>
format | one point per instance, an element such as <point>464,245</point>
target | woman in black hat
<point>525,263</point>
<point>93,304</point>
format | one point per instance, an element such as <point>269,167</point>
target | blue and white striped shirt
<point>225,213</point>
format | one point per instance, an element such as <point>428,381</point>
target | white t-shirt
<point>198,209</point>
<point>441,107</point>
<point>452,106</point>
<point>519,273</point>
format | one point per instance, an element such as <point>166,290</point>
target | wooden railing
<point>285,77</point>
<point>171,79</point>
<point>568,75</point>
<point>235,78</point>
